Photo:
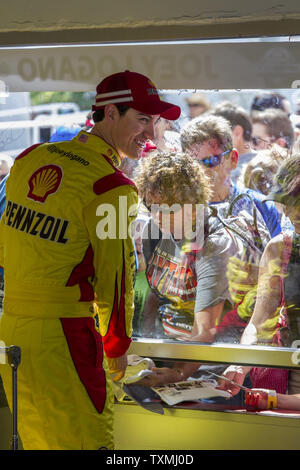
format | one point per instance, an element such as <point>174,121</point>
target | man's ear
<point>234,157</point>
<point>238,131</point>
<point>110,112</point>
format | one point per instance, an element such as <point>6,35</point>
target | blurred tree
<point>83,99</point>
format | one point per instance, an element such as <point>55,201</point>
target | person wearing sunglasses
<point>214,160</point>
<point>208,139</point>
<point>241,127</point>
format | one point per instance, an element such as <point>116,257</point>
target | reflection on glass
<point>211,257</point>
<point>208,387</point>
<point>208,292</point>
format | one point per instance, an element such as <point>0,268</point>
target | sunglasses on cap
<point>214,160</point>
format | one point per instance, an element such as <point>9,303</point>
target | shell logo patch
<point>44,181</point>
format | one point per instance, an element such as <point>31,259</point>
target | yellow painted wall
<point>139,429</point>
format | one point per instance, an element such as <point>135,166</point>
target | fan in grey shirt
<point>187,275</point>
<point>188,283</point>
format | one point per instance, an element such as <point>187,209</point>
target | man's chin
<point>132,155</point>
<point>136,156</point>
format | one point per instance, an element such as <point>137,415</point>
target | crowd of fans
<point>228,284</point>
<point>217,235</point>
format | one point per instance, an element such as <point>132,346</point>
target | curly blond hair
<point>206,127</point>
<point>174,178</point>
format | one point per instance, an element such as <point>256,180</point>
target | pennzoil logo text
<point>36,223</point>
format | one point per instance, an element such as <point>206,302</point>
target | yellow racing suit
<point>69,269</point>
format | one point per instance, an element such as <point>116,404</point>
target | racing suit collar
<point>96,143</point>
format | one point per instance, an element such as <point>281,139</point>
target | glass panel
<point>211,271</point>
<point>212,263</point>
<point>219,274</point>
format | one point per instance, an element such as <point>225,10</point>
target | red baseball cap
<point>136,91</point>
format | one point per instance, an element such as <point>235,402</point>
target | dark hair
<point>278,125</point>
<point>268,100</point>
<point>236,115</point>
<point>99,114</point>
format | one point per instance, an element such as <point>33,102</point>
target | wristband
<point>272,399</point>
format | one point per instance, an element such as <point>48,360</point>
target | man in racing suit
<point>69,268</point>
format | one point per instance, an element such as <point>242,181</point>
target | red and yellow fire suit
<point>66,252</point>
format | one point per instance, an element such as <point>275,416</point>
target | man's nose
<point>150,131</point>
